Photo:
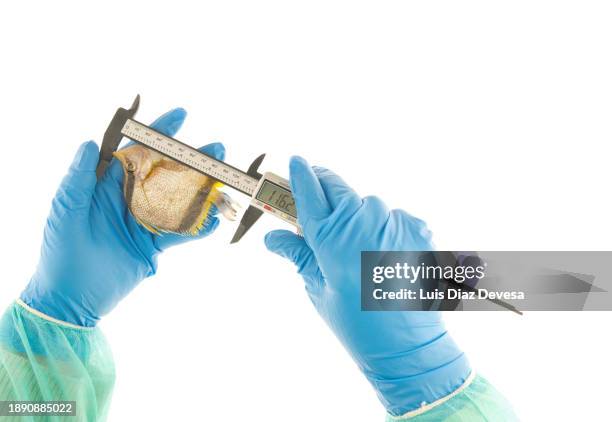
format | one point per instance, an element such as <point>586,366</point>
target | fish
<point>165,196</point>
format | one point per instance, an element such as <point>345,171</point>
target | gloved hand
<point>408,357</point>
<point>94,252</point>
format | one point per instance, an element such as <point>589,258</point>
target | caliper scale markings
<point>189,156</point>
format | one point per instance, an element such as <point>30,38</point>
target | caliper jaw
<point>252,214</point>
<point>112,136</point>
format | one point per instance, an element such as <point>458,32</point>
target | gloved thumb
<point>77,187</point>
<point>294,248</point>
<point>309,196</point>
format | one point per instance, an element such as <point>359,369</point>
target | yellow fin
<point>210,199</point>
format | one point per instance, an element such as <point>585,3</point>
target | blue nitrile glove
<point>408,357</point>
<point>94,252</point>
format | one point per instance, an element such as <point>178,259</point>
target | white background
<point>490,120</point>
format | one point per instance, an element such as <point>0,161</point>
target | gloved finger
<point>78,185</point>
<point>335,188</point>
<point>293,247</point>
<point>168,124</point>
<point>165,240</point>
<point>216,149</point>
<point>310,199</point>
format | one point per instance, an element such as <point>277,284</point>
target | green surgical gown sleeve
<point>475,401</point>
<point>46,360</point>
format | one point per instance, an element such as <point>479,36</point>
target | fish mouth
<point>128,165</point>
<point>119,155</point>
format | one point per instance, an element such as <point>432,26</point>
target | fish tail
<point>226,205</point>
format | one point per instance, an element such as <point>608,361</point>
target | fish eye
<point>130,166</point>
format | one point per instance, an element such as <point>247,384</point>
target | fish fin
<point>224,204</point>
<point>202,221</point>
<point>227,206</point>
<point>200,204</point>
<point>145,225</point>
<point>149,227</point>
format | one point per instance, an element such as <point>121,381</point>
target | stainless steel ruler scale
<point>269,192</point>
